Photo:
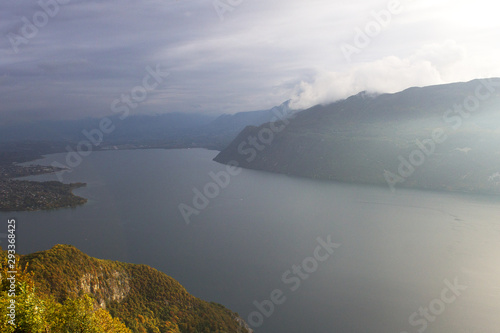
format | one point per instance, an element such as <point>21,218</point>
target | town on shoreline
<point>25,195</point>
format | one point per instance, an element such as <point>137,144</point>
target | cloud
<point>263,53</point>
<point>431,64</point>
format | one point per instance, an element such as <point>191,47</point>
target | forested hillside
<point>62,288</point>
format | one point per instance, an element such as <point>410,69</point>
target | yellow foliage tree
<point>24,309</point>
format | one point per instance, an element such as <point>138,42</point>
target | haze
<point>244,55</point>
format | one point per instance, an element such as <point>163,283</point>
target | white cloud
<point>256,58</point>
<point>431,64</point>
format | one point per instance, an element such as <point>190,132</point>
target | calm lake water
<point>398,255</point>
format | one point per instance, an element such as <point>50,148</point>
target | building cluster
<point>15,171</point>
<point>23,195</point>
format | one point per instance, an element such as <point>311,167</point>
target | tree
<point>36,312</point>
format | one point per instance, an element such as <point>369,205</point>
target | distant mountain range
<point>443,137</point>
<point>26,141</point>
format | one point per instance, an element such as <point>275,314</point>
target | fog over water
<point>396,254</point>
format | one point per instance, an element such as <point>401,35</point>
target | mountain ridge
<point>375,139</point>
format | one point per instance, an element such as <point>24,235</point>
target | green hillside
<point>144,299</point>
<point>444,137</point>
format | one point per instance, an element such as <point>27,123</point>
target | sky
<point>71,59</point>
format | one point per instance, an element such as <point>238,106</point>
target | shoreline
<point>63,196</point>
<point>26,195</point>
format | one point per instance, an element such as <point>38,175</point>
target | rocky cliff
<point>142,297</point>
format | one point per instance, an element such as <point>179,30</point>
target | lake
<point>290,255</point>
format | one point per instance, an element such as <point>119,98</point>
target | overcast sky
<point>226,56</point>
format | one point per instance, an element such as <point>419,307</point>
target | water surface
<point>396,249</point>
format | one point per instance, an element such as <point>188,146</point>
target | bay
<point>396,255</point>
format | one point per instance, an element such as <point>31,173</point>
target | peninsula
<point>24,195</point>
